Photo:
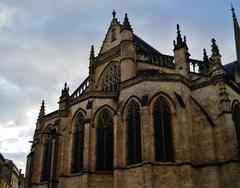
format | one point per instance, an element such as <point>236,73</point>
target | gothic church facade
<point>143,119</point>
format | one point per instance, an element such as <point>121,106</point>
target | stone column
<point>118,152</point>
<point>147,146</point>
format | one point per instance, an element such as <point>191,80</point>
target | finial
<point>184,39</point>
<point>179,43</point>
<point>205,56</point>
<point>92,51</point>
<point>42,110</point>
<point>179,37</point>
<point>215,50</point>
<point>65,86</point>
<point>114,14</point>
<point>232,9</point>
<point>65,90</point>
<point>126,24</point>
<point>43,104</point>
<point>92,56</point>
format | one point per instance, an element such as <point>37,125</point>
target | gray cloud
<point>45,43</point>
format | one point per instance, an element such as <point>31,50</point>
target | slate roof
<point>230,70</point>
<point>142,45</point>
<point>147,49</point>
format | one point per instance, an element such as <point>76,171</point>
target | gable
<point>112,38</point>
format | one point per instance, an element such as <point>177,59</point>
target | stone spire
<point>92,56</point>
<point>204,67</point>
<point>179,36</point>
<point>42,111</point>
<point>236,33</point>
<point>65,90</point>
<point>91,68</point>
<point>92,52</point>
<point>114,14</point>
<point>64,98</point>
<point>205,56</point>
<point>179,43</point>
<point>215,61</point>
<point>126,23</point>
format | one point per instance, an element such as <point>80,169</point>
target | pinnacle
<point>126,23</point>
<point>215,50</point>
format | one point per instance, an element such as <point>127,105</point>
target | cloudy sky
<point>45,43</point>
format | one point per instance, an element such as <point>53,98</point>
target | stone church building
<point>143,119</point>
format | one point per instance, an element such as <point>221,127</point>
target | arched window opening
<point>236,119</point>
<point>104,141</point>
<point>134,134</point>
<point>77,164</point>
<point>48,152</point>
<point>112,79</point>
<point>163,130</point>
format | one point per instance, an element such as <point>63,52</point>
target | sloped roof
<point>230,70</point>
<point>145,47</point>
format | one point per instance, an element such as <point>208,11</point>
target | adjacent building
<point>143,119</point>
<point>10,176</point>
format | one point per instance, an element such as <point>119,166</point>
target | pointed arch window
<point>112,79</point>
<point>134,134</point>
<point>77,164</point>
<point>104,141</point>
<point>163,130</point>
<point>47,156</point>
<point>236,119</point>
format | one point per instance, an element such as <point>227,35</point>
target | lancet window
<point>163,130</point>
<point>104,141</point>
<point>134,134</point>
<point>78,144</point>
<point>47,154</point>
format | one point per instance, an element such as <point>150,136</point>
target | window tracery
<point>77,165</point>
<point>112,79</point>
<point>47,155</point>
<point>104,141</point>
<point>134,134</point>
<point>163,130</point>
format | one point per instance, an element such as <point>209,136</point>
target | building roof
<point>142,45</point>
<point>230,70</point>
<point>154,56</point>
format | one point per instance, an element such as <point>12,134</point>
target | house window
<point>163,130</point>
<point>104,141</point>
<point>134,134</point>
<point>236,119</point>
<point>77,164</point>
<point>47,157</point>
